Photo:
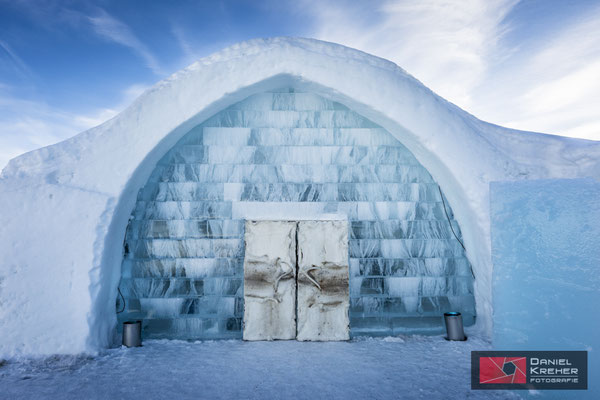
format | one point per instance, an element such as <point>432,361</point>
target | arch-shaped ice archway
<point>437,127</point>
<point>291,155</point>
<point>75,197</point>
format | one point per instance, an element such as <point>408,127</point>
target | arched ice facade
<point>65,209</point>
<point>291,155</point>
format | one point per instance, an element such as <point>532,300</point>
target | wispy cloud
<point>446,44</point>
<point>189,52</point>
<point>108,27</point>
<point>192,46</point>
<point>27,125</point>
<point>55,15</point>
<point>17,64</point>
<point>458,49</point>
<point>560,90</point>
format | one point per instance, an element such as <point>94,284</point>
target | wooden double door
<point>296,280</point>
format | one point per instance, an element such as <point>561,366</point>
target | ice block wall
<point>546,286</point>
<point>289,155</point>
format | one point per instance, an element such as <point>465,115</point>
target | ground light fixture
<point>132,333</point>
<point>454,326</point>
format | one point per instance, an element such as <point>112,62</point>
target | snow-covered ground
<point>414,367</point>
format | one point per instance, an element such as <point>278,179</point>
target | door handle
<point>306,273</point>
<point>286,270</point>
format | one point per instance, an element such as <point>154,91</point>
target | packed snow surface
<point>413,367</point>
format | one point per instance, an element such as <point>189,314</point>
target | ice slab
<point>546,285</point>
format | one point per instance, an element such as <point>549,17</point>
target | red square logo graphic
<point>502,369</point>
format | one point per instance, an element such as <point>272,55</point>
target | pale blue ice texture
<point>546,254</point>
<point>298,153</point>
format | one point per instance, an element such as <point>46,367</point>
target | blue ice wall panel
<point>546,254</point>
<point>291,154</point>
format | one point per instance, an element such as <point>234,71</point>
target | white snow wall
<point>64,208</point>
<point>290,155</point>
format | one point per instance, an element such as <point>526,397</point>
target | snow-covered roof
<point>64,208</point>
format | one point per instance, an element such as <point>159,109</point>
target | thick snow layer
<point>64,208</point>
<point>416,367</point>
<point>545,237</point>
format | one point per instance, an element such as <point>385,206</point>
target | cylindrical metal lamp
<point>454,326</point>
<point>132,333</point>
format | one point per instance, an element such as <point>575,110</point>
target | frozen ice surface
<point>415,367</point>
<point>546,253</point>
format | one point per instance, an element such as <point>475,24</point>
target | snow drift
<point>64,208</point>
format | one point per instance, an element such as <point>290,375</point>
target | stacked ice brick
<point>295,154</point>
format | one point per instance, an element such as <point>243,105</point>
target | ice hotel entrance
<point>296,280</point>
<point>155,202</point>
<point>291,157</point>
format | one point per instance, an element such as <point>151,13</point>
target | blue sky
<point>66,66</point>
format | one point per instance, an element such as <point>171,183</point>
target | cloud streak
<point>27,125</point>
<point>18,65</point>
<point>189,53</point>
<point>561,83</point>
<point>458,49</point>
<point>446,44</point>
<point>110,28</point>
